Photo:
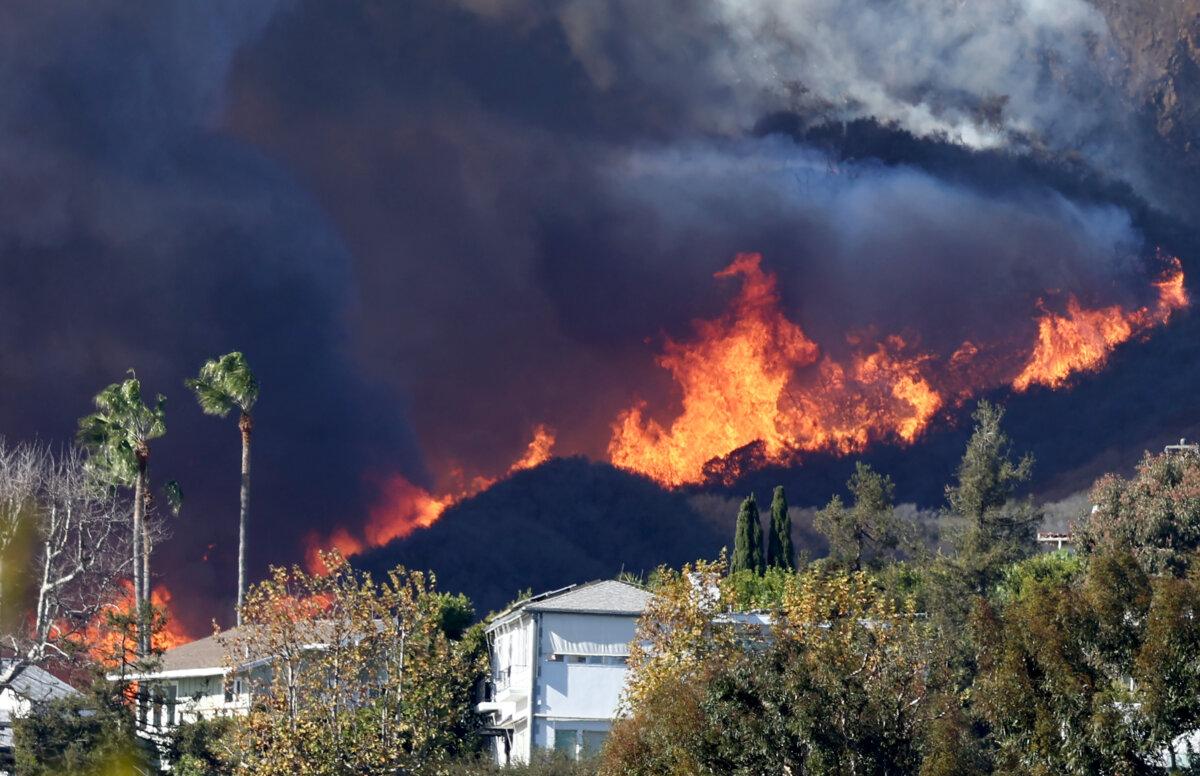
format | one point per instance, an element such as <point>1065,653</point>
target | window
<point>566,741</point>
<point>232,690</point>
<point>593,741</point>
<point>170,694</point>
<point>591,660</point>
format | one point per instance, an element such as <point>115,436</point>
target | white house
<point>558,668</point>
<point>31,685</point>
<point>189,684</point>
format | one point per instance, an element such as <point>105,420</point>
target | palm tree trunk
<point>245,425</point>
<point>139,489</point>
<point>147,550</point>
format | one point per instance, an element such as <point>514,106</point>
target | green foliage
<point>1156,514</point>
<point>863,532</point>
<point>225,384</point>
<point>457,614</point>
<point>998,529</point>
<point>118,433</point>
<point>1032,575</point>
<point>906,582</point>
<point>747,543</point>
<point>541,764</point>
<point>780,552</point>
<point>389,692</point>
<point>844,684</point>
<point>201,748</point>
<point>987,475</point>
<point>746,590</point>
<point>173,493</point>
<point>84,735</point>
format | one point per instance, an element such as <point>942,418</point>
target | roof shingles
<point>607,596</point>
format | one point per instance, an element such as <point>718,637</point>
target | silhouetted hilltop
<point>569,520</point>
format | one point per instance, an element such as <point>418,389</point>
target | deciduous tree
<point>353,676</point>
<point>69,565</point>
<point>1155,513</point>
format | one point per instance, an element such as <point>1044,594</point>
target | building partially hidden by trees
<point>558,666</point>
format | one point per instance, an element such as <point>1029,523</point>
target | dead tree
<point>74,559</point>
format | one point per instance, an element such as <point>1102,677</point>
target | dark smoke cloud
<point>433,225</point>
<point>519,222</point>
<point>134,234</point>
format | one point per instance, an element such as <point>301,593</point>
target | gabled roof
<point>32,684</point>
<point>203,656</point>
<point>604,596</point>
<point>207,656</point>
<point>38,684</point>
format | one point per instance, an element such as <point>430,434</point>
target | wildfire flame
<point>756,390</point>
<point>103,642</point>
<point>751,380</point>
<point>403,506</point>
<point>752,376</point>
<point>1081,340</point>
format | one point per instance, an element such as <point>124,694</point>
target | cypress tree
<point>780,552</point>
<point>747,541</point>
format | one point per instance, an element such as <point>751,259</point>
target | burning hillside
<point>403,507</point>
<point>754,378</point>
<point>756,389</point>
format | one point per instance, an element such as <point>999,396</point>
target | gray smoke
<point>1022,74</point>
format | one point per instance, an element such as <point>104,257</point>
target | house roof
<point>33,684</point>
<point>604,596</point>
<point>202,655</point>
<point>207,656</point>
<point>38,684</point>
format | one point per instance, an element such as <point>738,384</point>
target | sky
<point>433,225</point>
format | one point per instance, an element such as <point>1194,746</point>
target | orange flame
<point>752,376</point>
<point>1081,340</point>
<point>753,383</point>
<point>103,642</point>
<point>404,507</point>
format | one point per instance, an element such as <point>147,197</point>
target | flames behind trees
<point>106,642</point>
<point>755,389</point>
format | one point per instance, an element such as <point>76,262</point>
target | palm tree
<point>225,384</point>
<point>117,436</point>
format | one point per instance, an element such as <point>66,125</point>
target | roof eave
<point>177,673</point>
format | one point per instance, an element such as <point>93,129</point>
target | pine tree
<point>747,542</point>
<point>999,529</point>
<point>780,553</point>
<point>865,529</point>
